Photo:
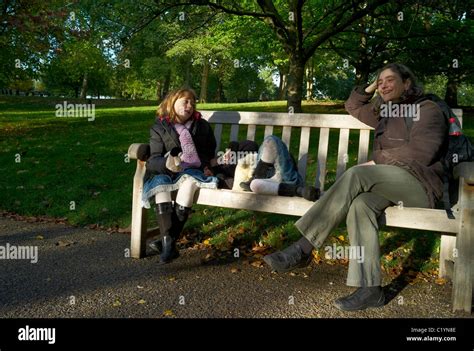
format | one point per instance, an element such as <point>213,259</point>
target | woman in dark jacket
<point>405,170</point>
<point>182,145</point>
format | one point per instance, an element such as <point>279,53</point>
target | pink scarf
<point>190,157</point>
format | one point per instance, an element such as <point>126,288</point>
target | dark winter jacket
<point>163,138</point>
<point>419,151</point>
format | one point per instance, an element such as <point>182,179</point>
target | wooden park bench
<point>457,243</point>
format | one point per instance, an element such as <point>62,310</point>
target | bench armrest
<point>139,151</point>
<point>466,171</point>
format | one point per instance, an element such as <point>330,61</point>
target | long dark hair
<point>414,91</point>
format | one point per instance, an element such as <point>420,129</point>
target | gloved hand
<point>173,163</point>
<point>176,151</point>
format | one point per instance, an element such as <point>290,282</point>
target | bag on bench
<point>459,150</point>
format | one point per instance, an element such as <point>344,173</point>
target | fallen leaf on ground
<point>168,313</point>
<point>63,243</point>
<point>39,237</point>
<point>117,303</point>
<point>234,270</point>
<point>184,240</point>
<point>440,281</point>
<point>141,302</point>
<point>208,258</point>
<point>257,264</point>
<point>258,248</point>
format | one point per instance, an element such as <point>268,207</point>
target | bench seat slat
<point>415,218</point>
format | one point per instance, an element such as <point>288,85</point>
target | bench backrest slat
<point>286,136</point>
<point>322,158</point>
<point>306,122</point>
<point>342,154</point>
<point>285,119</point>
<point>234,132</point>
<point>303,151</point>
<point>364,140</point>
<point>218,135</point>
<point>251,130</point>
<point>268,130</point>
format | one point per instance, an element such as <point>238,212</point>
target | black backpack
<point>459,149</point>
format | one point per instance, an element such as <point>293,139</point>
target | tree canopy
<point>232,51</point>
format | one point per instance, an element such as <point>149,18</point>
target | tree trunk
<point>362,74</point>
<point>220,91</point>
<point>451,96</point>
<point>84,86</point>
<point>187,77</point>
<point>295,83</point>
<point>309,80</point>
<point>283,85</point>
<point>204,80</point>
<point>158,90</point>
<point>166,84</point>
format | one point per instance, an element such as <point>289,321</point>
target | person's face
<point>184,108</point>
<point>391,86</point>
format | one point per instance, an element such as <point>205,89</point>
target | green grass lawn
<point>75,169</point>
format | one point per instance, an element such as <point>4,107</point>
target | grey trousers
<point>360,196</point>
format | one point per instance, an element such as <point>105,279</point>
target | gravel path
<point>84,273</point>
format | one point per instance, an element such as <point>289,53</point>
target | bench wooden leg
<point>464,262</point>
<point>139,233</point>
<point>446,259</point>
<point>139,216</point>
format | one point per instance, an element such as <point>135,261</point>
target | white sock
<point>264,186</point>
<point>186,191</point>
<point>163,197</point>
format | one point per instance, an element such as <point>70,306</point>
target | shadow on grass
<point>423,246</point>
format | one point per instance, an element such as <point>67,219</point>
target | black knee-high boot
<point>308,192</point>
<point>180,216</point>
<point>166,245</point>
